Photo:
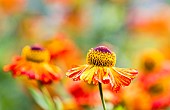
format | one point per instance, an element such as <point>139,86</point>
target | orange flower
<point>100,68</point>
<point>63,50</point>
<point>34,64</point>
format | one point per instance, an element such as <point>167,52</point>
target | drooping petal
<point>43,72</point>
<point>88,75</point>
<point>101,75</point>
<point>75,73</point>
<point>121,77</point>
<point>127,72</point>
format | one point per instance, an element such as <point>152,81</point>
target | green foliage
<point>44,100</point>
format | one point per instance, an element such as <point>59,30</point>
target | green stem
<point>101,96</point>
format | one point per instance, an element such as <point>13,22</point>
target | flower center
<point>149,65</point>
<point>35,54</point>
<point>101,56</point>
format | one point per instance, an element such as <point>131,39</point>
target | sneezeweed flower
<point>34,64</point>
<point>100,69</point>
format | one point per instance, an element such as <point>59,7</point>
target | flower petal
<point>101,75</point>
<point>127,72</point>
<point>121,77</point>
<point>88,75</point>
<point>75,73</point>
<point>44,72</point>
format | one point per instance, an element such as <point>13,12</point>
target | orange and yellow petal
<point>120,77</point>
<point>75,73</point>
<point>89,74</point>
<point>43,72</point>
<point>116,77</point>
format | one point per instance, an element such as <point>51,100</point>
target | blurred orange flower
<point>100,69</point>
<point>63,50</point>
<point>34,64</point>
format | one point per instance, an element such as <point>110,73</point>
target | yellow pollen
<point>98,58</point>
<point>37,56</point>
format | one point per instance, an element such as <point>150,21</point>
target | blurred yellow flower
<point>34,64</point>
<point>100,69</point>
<point>150,61</point>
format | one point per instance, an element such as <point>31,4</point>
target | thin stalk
<point>101,96</point>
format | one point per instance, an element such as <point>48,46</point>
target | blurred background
<point>138,31</point>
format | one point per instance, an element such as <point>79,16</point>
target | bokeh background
<point>138,31</point>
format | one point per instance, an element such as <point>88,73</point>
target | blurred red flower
<point>84,94</point>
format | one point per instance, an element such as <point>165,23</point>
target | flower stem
<point>101,96</point>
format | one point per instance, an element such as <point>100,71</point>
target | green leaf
<point>58,104</point>
<point>48,99</point>
<point>39,98</point>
